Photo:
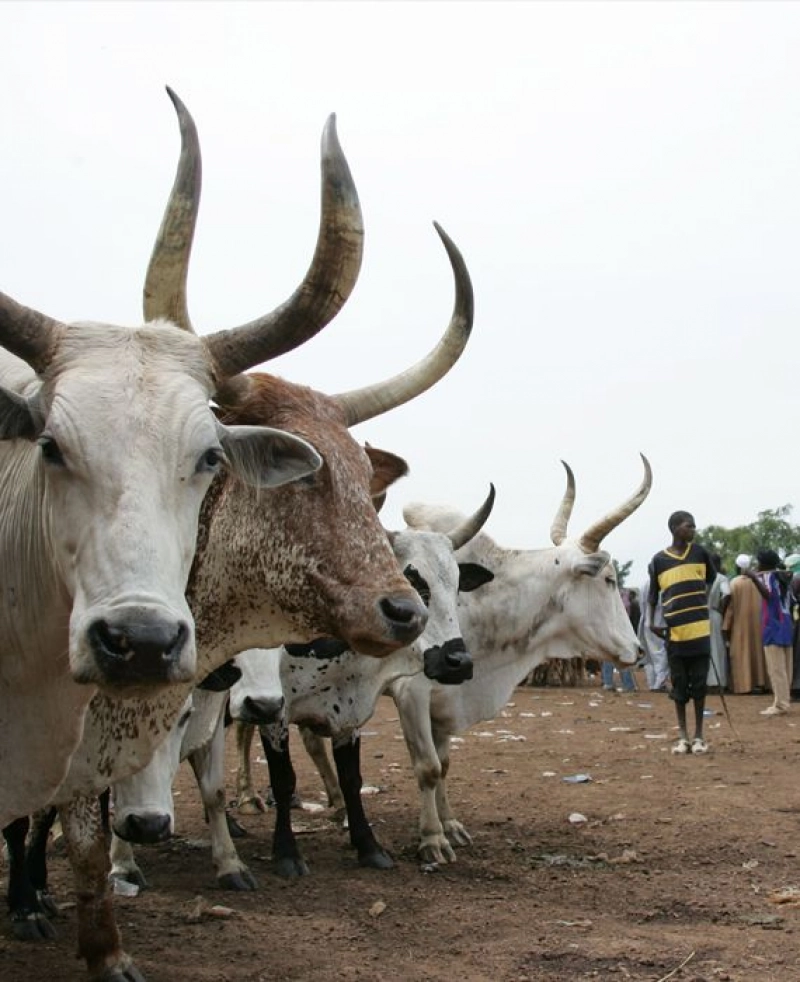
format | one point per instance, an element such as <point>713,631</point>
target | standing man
<point>776,627</point>
<point>741,625</point>
<point>680,576</point>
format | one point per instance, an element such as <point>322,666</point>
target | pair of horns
<point>326,287</point>
<point>594,535</point>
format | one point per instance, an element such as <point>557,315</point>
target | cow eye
<point>420,584</point>
<point>211,461</point>
<point>51,453</point>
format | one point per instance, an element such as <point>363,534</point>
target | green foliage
<point>771,530</point>
<point>622,571</point>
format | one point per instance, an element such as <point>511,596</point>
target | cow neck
<point>208,509</point>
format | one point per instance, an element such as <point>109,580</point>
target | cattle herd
<point>188,543</point>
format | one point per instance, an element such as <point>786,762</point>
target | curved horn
<point>28,334</point>
<point>326,286</point>
<point>469,528</point>
<point>328,283</point>
<point>594,535</point>
<point>363,404</point>
<point>558,530</point>
<point>165,282</point>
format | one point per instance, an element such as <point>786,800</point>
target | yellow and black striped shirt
<point>682,580</point>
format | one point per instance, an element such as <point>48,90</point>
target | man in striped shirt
<point>681,575</point>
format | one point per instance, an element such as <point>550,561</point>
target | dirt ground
<point>684,868</point>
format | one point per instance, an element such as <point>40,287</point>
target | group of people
<point>700,630</point>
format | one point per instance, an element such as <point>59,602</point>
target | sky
<point>623,180</point>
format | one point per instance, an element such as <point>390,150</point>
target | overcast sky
<point>623,180</point>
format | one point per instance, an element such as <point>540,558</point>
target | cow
<point>542,604</point>
<point>108,446</point>
<point>321,685</point>
<point>333,692</point>
<point>267,566</point>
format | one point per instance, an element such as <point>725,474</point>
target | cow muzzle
<point>448,664</point>
<point>140,647</point>
<point>143,829</point>
<point>261,710</point>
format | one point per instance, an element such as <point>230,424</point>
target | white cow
<point>268,566</point>
<point>545,603</point>
<point>327,687</point>
<point>108,448</point>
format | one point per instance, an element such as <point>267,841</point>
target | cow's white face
<point>144,810</point>
<point>585,614</point>
<point>127,448</point>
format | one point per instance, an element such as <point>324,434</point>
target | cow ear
<point>592,564</point>
<point>265,457</point>
<point>386,469</point>
<point>20,418</point>
<point>472,575</point>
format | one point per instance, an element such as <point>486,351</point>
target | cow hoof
<point>121,972</point>
<point>436,850</point>
<point>47,903</point>
<point>456,832</point>
<point>235,830</point>
<point>376,858</point>
<point>32,927</point>
<point>241,880</point>
<point>291,867</point>
<point>252,805</point>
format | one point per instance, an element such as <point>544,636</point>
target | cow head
<point>584,614</point>
<point>314,552</point>
<point>144,810</point>
<point>429,563</point>
<point>123,444</point>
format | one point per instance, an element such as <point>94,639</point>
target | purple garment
<point>776,620</point>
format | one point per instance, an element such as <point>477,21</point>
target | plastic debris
<point>577,779</point>
<point>122,888</point>
<point>576,818</point>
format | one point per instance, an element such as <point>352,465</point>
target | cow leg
<point>208,764</point>
<point>123,863</point>
<point>248,800</point>
<point>36,858</point>
<point>29,920</point>
<point>289,863</point>
<point>99,941</point>
<point>315,747</point>
<point>453,829</point>
<point>415,720</point>
<point>347,755</point>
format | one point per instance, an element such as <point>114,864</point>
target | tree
<point>622,571</point>
<point>771,530</point>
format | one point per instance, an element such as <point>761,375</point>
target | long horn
<point>469,528</point>
<point>363,404</point>
<point>593,536</point>
<point>167,271</point>
<point>31,336</point>
<point>326,286</point>
<point>328,283</point>
<point>558,530</point>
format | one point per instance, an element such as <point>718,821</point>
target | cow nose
<point>261,710</point>
<point>138,649</point>
<point>449,664</point>
<point>145,829</point>
<point>407,617</point>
